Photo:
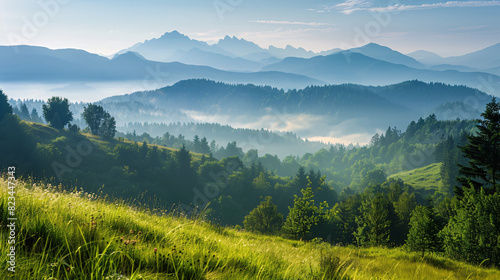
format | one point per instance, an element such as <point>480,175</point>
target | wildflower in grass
<point>155,251</point>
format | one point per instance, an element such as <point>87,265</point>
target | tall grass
<point>75,235</point>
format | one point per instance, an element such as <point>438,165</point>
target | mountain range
<point>483,59</point>
<point>174,57</point>
<point>30,64</point>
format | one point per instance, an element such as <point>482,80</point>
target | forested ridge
<point>339,195</point>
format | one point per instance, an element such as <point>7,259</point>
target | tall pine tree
<point>483,152</point>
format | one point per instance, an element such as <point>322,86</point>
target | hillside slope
<point>75,235</point>
<point>427,179</point>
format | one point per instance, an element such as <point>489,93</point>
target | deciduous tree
<point>264,218</point>
<point>56,112</point>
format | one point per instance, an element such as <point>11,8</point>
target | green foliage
<point>472,234</point>
<point>423,234</point>
<point>483,151</point>
<point>265,218</point>
<point>73,128</point>
<point>375,222</point>
<point>5,108</point>
<point>99,121</point>
<point>56,112</point>
<point>302,216</point>
<point>35,117</point>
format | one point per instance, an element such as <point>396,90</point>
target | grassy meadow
<point>426,179</point>
<point>76,235</point>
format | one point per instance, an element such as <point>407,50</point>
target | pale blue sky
<point>107,26</point>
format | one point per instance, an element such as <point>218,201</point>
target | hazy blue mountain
<point>384,53</point>
<point>461,68</point>
<point>427,57</point>
<point>486,58</point>
<point>261,56</point>
<point>494,70</point>
<point>290,51</point>
<point>269,61</point>
<point>169,46</point>
<point>238,47</point>
<point>38,64</point>
<point>328,52</point>
<point>351,67</point>
<point>247,49</point>
<point>196,56</point>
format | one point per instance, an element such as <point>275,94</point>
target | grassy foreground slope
<point>75,235</point>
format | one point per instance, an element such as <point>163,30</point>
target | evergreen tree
<point>196,144</point>
<point>35,117</point>
<point>264,218</point>
<point>108,127</point>
<point>422,236</point>
<point>375,221</point>
<point>24,112</point>
<point>302,216</point>
<point>483,152</point>
<point>5,108</point>
<point>204,147</point>
<point>300,181</point>
<point>56,112</point>
<point>375,141</point>
<point>472,233</point>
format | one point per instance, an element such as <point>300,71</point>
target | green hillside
<point>75,235</point>
<point>426,179</point>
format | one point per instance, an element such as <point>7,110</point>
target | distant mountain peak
<point>174,35</point>
<point>374,46</point>
<point>228,38</point>
<point>371,44</point>
<point>129,55</point>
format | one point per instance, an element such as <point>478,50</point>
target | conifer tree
<point>422,236</point>
<point>483,152</point>
<point>302,216</point>
<point>5,108</point>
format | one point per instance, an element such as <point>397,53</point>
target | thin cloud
<point>292,22</point>
<point>347,7</point>
<point>468,28</point>
<point>449,4</point>
<point>350,6</point>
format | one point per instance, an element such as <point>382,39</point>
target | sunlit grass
<point>75,235</point>
<point>426,178</point>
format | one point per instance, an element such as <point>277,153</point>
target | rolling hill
<point>343,101</point>
<point>333,111</point>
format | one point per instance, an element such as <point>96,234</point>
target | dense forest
<point>339,195</point>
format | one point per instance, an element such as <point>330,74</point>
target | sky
<point>106,26</point>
